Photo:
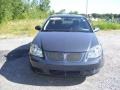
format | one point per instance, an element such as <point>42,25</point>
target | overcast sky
<point>94,6</point>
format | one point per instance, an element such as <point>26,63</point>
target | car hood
<point>66,41</point>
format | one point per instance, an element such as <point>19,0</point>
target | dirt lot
<point>15,73</point>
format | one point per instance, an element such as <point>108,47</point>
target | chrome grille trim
<point>61,56</point>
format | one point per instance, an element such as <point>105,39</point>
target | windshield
<point>68,24</point>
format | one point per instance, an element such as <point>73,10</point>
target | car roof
<point>67,15</point>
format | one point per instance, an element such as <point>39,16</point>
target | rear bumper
<point>80,69</point>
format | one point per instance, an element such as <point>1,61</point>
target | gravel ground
<point>15,73</point>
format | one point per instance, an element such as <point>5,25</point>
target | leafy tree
<point>73,12</point>
<point>5,10</point>
<point>20,9</point>
<point>61,11</point>
<point>52,12</point>
<point>44,5</point>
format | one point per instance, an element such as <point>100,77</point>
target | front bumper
<point>56,68</point>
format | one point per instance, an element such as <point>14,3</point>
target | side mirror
<point>96,29</point>
<point>38,28</point>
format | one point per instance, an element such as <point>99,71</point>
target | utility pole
<point>86,8</point>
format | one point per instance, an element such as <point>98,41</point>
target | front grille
<point>59,56</point>
<point>54,56</point>
<point>74,56</point>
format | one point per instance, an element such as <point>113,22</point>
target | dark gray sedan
<point>66,45</point>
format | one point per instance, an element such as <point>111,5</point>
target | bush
<point>106,25</point>
<point>20,9</point>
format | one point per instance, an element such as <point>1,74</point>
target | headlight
<point>36,51</point>
<point>95,52</point>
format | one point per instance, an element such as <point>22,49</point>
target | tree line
<point>22,9</point>
<point>94,15</point>
<point>109,16</point>
<point>31,9</point>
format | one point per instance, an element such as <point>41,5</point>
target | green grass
<point>103,25</point>
<point>19,28</point>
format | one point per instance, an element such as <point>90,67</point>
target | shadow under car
<point>17,69</point>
